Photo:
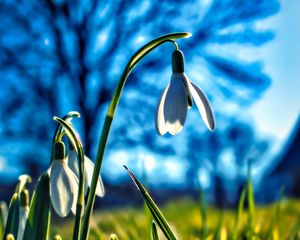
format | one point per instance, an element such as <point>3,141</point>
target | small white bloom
<point>88,169</point>
<point>63,183</point>
<point>177,97</point>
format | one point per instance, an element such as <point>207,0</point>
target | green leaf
<point>273,229</point>
<point>156,213</point>
<point>38,222</point>
<point>217,234</point>
<point>154,233</point>
<point>203,213</point>
<point>238,215</point>
<point>12,223</point>
<point>3,217</point>
<point>251,202</point>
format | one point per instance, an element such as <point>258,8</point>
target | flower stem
<point>142,52</point>
<point>76,143</point>
<point>59,131</point>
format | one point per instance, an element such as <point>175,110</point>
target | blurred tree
<point>57,56</point>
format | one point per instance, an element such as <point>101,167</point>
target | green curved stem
<point>58,134</point>
<point>142,52</point>
<point>71,133</point>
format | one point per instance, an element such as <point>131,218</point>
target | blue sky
<point>277,111</point>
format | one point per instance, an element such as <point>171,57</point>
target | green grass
<point>184,216</point>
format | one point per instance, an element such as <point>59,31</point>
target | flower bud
<point>177,61</point>
<point>113,237</point>
<point>10,237</point>
<point>57,237</point>
<point>59,151</point>
<point>24,198</point>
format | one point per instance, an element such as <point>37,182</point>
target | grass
<point>184,217</point>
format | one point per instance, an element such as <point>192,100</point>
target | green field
<point>184,216</point>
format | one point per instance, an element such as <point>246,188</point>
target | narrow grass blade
<point>294,233</point>
<point>218,230</point>
<point>3,217</point>
<point>12,223</point>
<point>238,215</point>
<point>154,234</point>
<point>203,214</point>
<point>251,202</point>
<point>38,222</point>
<point>156,213</point>
<point>273,231</point>
<point>250,231</point>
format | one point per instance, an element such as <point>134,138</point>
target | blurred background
<point>56,57</point>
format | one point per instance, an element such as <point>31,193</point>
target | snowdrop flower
<point>23,212</point>
<point>63,183</point>
<point>88,172</point>
<point>177,97</point>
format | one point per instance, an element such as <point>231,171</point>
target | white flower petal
<point>186,82</point>
<point>203,105</point>
<point>176,104</point>
<point>75,183</point>
<point>89,169</point>
<point>23,215</point>
<point>73,162</point>
<point>160,122</point>
<point>63,188</point>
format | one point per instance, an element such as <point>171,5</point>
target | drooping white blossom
<point>89,168</point>
<point>177,97</point>
<point>63,183</point>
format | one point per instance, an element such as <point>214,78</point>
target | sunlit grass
<point>185,219</point>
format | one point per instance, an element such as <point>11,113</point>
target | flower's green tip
<point>10,237</point>
<point>57,237</point>
<point>188,34</point>
<point>74,114</point>
<point>113,237</point>
<point>26,178</point>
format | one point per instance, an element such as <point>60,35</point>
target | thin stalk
<point>203,213</point>
<point>238,215</point>
<point>142,52</point>
<point>75,141</point>
<point>251,202</point>
<point>58,134</point>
